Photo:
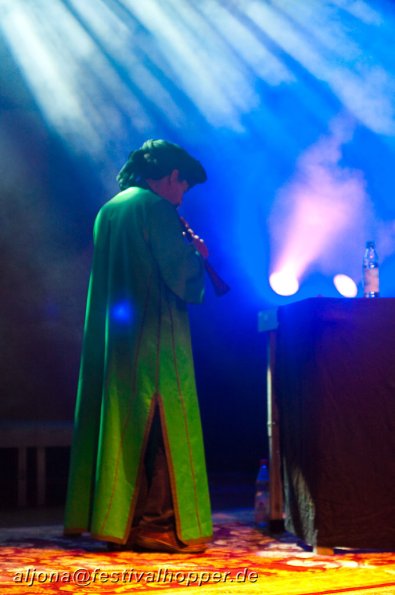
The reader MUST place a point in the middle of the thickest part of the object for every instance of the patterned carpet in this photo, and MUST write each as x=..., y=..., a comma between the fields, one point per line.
x=241, y=559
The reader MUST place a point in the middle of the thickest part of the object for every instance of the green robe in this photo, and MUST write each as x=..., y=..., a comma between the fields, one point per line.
x=136, y=353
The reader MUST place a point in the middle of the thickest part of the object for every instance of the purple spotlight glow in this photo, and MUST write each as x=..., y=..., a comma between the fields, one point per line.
x=345, y=285
x=323, y=208
x=284, y=283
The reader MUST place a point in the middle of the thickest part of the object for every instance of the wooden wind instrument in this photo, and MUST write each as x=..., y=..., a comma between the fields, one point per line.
x=220, y=287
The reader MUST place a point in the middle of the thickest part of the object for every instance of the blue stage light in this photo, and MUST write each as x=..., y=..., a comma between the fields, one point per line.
x=291, y=112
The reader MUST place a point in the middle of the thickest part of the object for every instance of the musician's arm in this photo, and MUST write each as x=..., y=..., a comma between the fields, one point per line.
x=180, y=264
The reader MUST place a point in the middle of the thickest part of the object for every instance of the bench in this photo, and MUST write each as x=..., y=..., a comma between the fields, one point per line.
x=38, y=435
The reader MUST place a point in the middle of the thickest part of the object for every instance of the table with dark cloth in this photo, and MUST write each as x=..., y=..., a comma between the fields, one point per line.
x=335, y=384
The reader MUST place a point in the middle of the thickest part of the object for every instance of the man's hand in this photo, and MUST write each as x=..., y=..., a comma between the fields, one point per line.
x=196, y=241
x=200, y=246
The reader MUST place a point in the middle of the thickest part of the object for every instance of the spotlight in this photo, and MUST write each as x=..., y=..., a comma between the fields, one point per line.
x=345, y=285
x=284, y=283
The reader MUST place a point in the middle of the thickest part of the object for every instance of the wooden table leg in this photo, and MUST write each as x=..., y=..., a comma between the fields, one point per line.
x=41, y=480
x=273, y=431
x=22, y=476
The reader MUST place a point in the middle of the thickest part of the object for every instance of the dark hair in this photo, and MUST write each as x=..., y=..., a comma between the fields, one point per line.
x=156, y=159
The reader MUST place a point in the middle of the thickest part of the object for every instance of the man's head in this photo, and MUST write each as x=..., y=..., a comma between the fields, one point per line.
x=164, y=167
x=171, y=187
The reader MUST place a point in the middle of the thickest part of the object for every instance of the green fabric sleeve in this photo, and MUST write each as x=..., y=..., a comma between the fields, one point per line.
x=180, y=265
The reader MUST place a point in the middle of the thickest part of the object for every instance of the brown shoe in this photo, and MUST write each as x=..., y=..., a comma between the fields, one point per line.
x=166, y=541
x=121, y=547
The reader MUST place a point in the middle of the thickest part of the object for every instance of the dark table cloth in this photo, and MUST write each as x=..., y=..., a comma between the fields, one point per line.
x=335, y=382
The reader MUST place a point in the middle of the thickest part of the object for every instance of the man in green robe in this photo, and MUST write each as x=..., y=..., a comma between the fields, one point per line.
x=137, y=471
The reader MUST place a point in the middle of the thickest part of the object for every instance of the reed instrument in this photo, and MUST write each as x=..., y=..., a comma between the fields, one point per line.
x=220, y=287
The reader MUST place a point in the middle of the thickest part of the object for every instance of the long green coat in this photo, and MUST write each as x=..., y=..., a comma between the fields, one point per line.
x=137, y=353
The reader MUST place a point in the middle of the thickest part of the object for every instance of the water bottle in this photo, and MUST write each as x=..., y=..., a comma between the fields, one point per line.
x=370, y=269
x=262, y=494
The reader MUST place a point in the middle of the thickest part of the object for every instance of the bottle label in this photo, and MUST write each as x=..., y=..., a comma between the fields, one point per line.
x=371, y=280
